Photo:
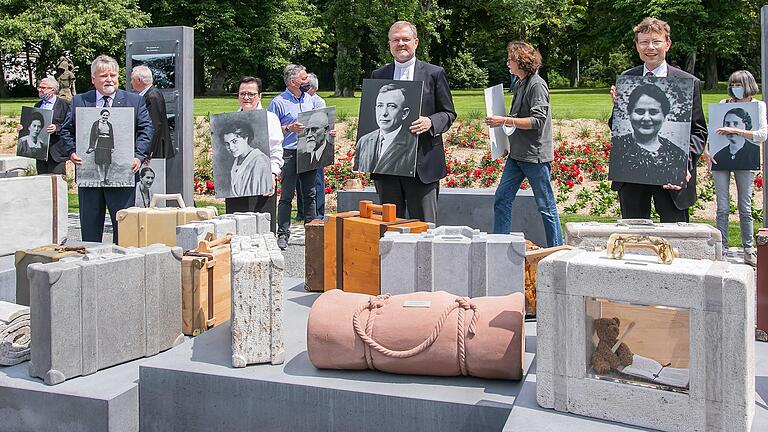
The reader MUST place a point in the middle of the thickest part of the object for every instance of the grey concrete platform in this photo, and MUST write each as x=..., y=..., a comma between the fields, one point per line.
x=468, y=207
x=194, y=388
x=106, y=401
x=294, y=253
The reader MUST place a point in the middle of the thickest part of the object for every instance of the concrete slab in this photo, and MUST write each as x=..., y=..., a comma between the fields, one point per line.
x=294, y=253
x=295, y=396
x=107, y=401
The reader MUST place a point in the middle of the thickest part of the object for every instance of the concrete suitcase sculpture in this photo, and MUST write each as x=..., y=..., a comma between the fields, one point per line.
x=351, y=246
x=423, y=333
x=144, y=226
x=33, y=212
x=14, y=333
x=206, y=285
x=257, y=301
x=457, y=259
x=249, y=223
x=666, y=343
x=692, y=240
x=221, y=226
x=761, y=333
x=85, y=320
x=189, y=236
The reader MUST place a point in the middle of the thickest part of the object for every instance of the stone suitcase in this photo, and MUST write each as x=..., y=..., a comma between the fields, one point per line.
x=108, y=308
x=351, y=246
x=249, y=223
x=761, y=333
x=692, y=240
x=694, y=316
x=144, y=226
x=189, y=236
x=14, y=333
x=457, y=259
x=206, y=286
x=257, y=301
x=33, y=212
x=422, y=333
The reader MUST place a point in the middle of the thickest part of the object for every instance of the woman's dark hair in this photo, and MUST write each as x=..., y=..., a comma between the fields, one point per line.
x=36, y=115
x=525, y=55
x=144, y=171
x=743, y=115
x=247, y=80
x=652, y=91
x=104, y=111
x=239, y=127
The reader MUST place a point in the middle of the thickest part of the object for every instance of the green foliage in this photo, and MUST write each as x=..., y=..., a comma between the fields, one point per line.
x=555, y=80
x=469, y=133
x=601, y=73
x=351, y=132
x=463, y=72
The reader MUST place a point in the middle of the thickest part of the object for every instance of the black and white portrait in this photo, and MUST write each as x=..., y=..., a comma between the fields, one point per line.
x=241, y=165
x=163, y=67
x=733, y=152
x=315, y=145
x=651, y=130
x=385, y=144
x=105, y=144
x=144, y=186
x=33, y=137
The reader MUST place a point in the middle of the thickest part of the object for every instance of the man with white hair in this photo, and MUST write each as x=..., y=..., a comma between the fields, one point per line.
x=320, y=179
x=141, y=83
x=47, y=89
x=94, y=201
x=287, y=106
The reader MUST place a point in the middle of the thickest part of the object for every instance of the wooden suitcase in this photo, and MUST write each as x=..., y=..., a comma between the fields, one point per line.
x=761, y=333
x=144, y=226
x=314, y=256
x=206, y=286
x=351, y=246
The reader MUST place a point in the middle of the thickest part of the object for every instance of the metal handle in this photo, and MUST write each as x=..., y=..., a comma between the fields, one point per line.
x=388, y=211
x=618, y=243
x=167, y=197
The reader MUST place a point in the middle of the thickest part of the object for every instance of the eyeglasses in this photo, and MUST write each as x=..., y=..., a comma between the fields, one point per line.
x=655, y=44
x=247, y=95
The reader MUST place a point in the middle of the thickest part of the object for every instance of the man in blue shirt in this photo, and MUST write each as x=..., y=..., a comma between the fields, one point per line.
x=287, y=106
x=320, y=180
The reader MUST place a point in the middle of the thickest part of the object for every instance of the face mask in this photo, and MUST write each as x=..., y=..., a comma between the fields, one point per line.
x=738, y=92
x=304, y=87
x=43, y=96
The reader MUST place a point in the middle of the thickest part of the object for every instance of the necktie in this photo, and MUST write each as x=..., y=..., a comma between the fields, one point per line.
x=649, y=74
x=106, y=101
x=377, y=152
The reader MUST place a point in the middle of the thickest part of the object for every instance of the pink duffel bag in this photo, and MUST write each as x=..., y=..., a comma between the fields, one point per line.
x=423, y=333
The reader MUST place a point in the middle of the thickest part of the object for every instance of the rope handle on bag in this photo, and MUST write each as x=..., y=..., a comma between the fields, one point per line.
x=376, y=302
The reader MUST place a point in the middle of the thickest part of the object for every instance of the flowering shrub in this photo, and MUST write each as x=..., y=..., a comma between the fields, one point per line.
x=759, y=181
x=573, y=160
x=203, y=186
x=470, y=173
x=341, y=171
x=469, y=133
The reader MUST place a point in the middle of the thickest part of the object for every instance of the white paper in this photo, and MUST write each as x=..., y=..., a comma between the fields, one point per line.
x=494, y=105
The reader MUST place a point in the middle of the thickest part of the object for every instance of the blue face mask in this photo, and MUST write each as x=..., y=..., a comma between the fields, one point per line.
x=738, y=92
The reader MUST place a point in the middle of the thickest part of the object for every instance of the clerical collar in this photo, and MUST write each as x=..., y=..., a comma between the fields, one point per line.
x=409, y=63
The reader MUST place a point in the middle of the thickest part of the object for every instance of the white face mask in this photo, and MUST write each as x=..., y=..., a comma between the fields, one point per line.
x=738, y=92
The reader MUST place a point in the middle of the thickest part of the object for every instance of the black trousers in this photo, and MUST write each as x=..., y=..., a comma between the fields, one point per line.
x=635, y=202
x=409, y=193
x=51, y=166
x=94, y=201
x=256, y=204
x=289, y=179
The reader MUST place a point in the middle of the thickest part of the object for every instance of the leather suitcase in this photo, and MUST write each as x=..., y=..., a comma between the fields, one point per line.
x=206, y=285
x=351, y=246
x=761, y=333
x=43, y=254
x=422, y=333
x=145, y=226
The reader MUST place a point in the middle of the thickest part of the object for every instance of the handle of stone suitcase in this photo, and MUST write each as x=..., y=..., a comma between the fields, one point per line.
x=167, y=197
x=368, y=208
x=618, y=243
x=206, y=246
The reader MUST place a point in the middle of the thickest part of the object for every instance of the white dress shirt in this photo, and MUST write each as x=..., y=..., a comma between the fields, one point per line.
x=404, y=71
x=386, y=140
x=659, y=72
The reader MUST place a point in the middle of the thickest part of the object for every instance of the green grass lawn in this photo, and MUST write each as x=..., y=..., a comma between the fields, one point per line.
x=566, y=103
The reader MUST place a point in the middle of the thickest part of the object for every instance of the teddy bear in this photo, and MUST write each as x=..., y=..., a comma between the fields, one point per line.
x=603, y=359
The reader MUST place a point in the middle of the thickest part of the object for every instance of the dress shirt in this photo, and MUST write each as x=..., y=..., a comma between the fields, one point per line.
x=48, y=103
x=404, y=71
x=100, y=99
x=143, y=92
x=659, y=72
x=386, y=140
x=287, y=108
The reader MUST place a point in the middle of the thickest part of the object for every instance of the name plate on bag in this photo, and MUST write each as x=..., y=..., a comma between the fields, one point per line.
x=417, y=303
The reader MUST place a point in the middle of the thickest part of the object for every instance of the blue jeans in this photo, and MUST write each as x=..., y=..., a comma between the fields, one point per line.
x=744, y=182
x=538, y=176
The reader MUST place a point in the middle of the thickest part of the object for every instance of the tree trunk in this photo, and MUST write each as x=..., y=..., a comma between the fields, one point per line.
x=199, y=80
x=29, y=65
x=3, y=85
x=690, y=64
x=710, y=70
x=573, y=72
x=348, y=57
x=218, y=80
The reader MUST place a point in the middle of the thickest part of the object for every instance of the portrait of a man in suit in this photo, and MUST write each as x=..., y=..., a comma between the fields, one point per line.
x=315, y=146
x=390, y=149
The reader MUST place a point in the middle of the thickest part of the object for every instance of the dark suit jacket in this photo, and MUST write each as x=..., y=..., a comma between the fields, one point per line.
x=55, y=145
x=437, y=104
x=685, y=197
x=398, y=159
x=142, y=124
x=162, y=146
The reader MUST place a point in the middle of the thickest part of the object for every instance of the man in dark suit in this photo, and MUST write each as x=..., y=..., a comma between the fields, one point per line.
x=141, y=82
x=671, y=201
x=318, y=151
x=418, y=194
x=47, y=89
x=391, y=149
x=95, y=200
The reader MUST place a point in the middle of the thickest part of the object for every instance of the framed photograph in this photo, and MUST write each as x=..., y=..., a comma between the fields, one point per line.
x=240, y=144
x=651, y=130
x=315, y=145
x=162, y=65
x=105, y=143
x=33, y=137
x=150, y=180
x=385, y=144
x=494, y=105
x=733, y=152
